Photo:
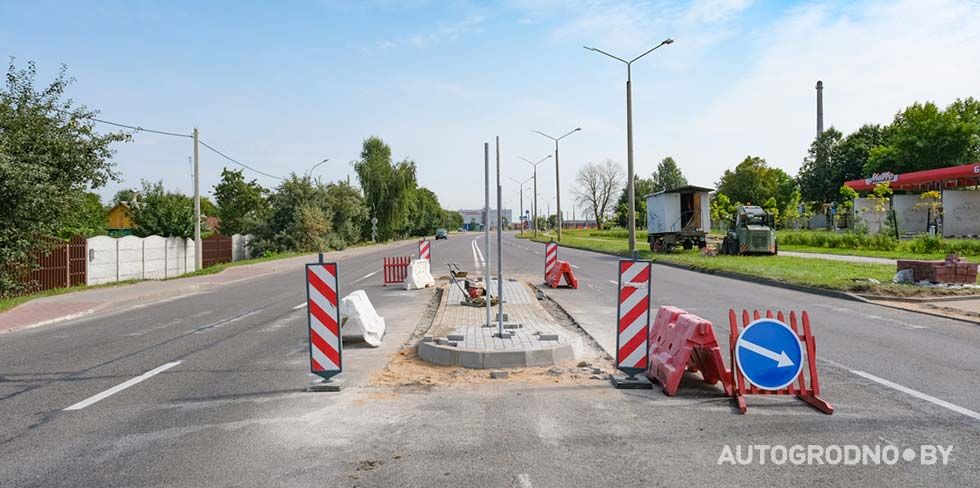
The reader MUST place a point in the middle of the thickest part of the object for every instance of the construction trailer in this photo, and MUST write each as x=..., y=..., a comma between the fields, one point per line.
x=678, y=216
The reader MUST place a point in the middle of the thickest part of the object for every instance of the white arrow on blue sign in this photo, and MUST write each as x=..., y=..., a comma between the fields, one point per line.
x=769, y=354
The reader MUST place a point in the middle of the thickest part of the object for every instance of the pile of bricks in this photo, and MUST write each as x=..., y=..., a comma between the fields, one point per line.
x=953, y=270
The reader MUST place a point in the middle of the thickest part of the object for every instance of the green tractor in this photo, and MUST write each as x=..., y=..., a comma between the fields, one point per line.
x=752, y=233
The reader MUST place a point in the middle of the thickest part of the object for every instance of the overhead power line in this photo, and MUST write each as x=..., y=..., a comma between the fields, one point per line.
x=229, y=158
x=175, y=134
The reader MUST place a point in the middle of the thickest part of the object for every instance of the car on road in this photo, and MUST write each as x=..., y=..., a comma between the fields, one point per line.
x=442, y=234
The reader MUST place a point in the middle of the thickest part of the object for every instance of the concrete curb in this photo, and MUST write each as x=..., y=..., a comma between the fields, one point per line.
x=446, y=355
x=779, y=284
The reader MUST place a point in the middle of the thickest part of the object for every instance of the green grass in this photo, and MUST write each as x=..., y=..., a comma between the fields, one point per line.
x=223, y=266
x=820, y=273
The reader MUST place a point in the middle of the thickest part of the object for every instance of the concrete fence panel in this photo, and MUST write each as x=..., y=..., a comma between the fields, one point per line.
x=911, y=219
x=154, y=258
x=961, y=213
x=864, y=208
x=174, y=249
x=130, y=258
x=101, y=260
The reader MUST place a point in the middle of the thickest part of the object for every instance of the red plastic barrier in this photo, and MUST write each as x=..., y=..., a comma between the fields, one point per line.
x=396, y=269
x=809, y=392
x=560, y=270
x=681, y=342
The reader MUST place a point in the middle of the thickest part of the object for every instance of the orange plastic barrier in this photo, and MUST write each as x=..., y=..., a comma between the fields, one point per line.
x=561, y=270
x=681, y=342
x=809, y=392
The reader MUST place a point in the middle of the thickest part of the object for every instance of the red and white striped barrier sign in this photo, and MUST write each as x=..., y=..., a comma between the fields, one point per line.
x=550, y=257
x=633, y=313
x=323, y=315
x=424, y=247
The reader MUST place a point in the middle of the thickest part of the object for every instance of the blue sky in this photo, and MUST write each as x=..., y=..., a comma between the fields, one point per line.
x=283, y=85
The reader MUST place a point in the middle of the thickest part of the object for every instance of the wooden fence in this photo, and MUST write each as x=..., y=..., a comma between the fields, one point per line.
x=215, y=250
x=60, y=264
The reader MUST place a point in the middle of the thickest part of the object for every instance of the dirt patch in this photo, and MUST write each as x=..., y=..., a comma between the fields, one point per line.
x=406, y=369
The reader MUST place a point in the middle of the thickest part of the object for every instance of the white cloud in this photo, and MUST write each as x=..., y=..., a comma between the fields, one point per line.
x=874, y=58
x=440, y=33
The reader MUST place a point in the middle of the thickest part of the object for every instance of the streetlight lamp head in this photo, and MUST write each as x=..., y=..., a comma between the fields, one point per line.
x=669, y=41
x=578, y=129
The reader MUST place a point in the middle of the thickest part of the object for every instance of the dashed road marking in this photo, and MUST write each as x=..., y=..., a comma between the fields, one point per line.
x=918, y=394
x=122, y=386
x=297, y=307
x=362, y=278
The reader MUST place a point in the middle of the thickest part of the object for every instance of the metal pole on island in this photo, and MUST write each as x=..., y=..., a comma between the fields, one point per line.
x=486, y=226
x=500, y=251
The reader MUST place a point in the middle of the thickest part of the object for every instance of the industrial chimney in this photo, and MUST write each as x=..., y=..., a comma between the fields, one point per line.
x=819, y=108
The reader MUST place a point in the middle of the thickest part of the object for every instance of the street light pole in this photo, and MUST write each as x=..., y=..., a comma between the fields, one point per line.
x=534, y=221
x=521, y=183
x=557, y=178
x=630, y=190
x=310, y=171
x=198, y=244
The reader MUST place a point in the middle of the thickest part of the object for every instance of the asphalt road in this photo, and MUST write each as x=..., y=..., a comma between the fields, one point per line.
x=226, y=406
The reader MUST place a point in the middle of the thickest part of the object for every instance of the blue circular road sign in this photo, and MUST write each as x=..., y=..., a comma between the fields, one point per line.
x=769, y=354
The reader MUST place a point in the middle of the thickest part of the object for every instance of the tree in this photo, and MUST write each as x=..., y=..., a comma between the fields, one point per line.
x=597, y=183
x=426, y=213
x=349, y=213
x=754, y=182
x=855, y=149
x=722, y=209
x=668, y=176
x=164, y=213
x=241, y=204
x=387, y=187
x=924, y=137
x=50, y=157
x=641, y=188
x=298, y=219
x=451, y=219
x=820, y=176
x=89, y=218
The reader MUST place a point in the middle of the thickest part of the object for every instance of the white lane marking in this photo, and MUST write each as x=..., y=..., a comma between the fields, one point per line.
x=524, y=480
x=224, y=322
x=478, y=260
x=614, y=282
x=122, y=386
x=362, y=278
x=572, y=265
x=918, y=394
x=297, y=307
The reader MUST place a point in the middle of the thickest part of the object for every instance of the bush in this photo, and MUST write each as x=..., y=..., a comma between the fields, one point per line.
x=846, y=240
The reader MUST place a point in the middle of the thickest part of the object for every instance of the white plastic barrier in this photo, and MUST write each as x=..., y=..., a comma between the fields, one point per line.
x=418, y=275
x=359, y=318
